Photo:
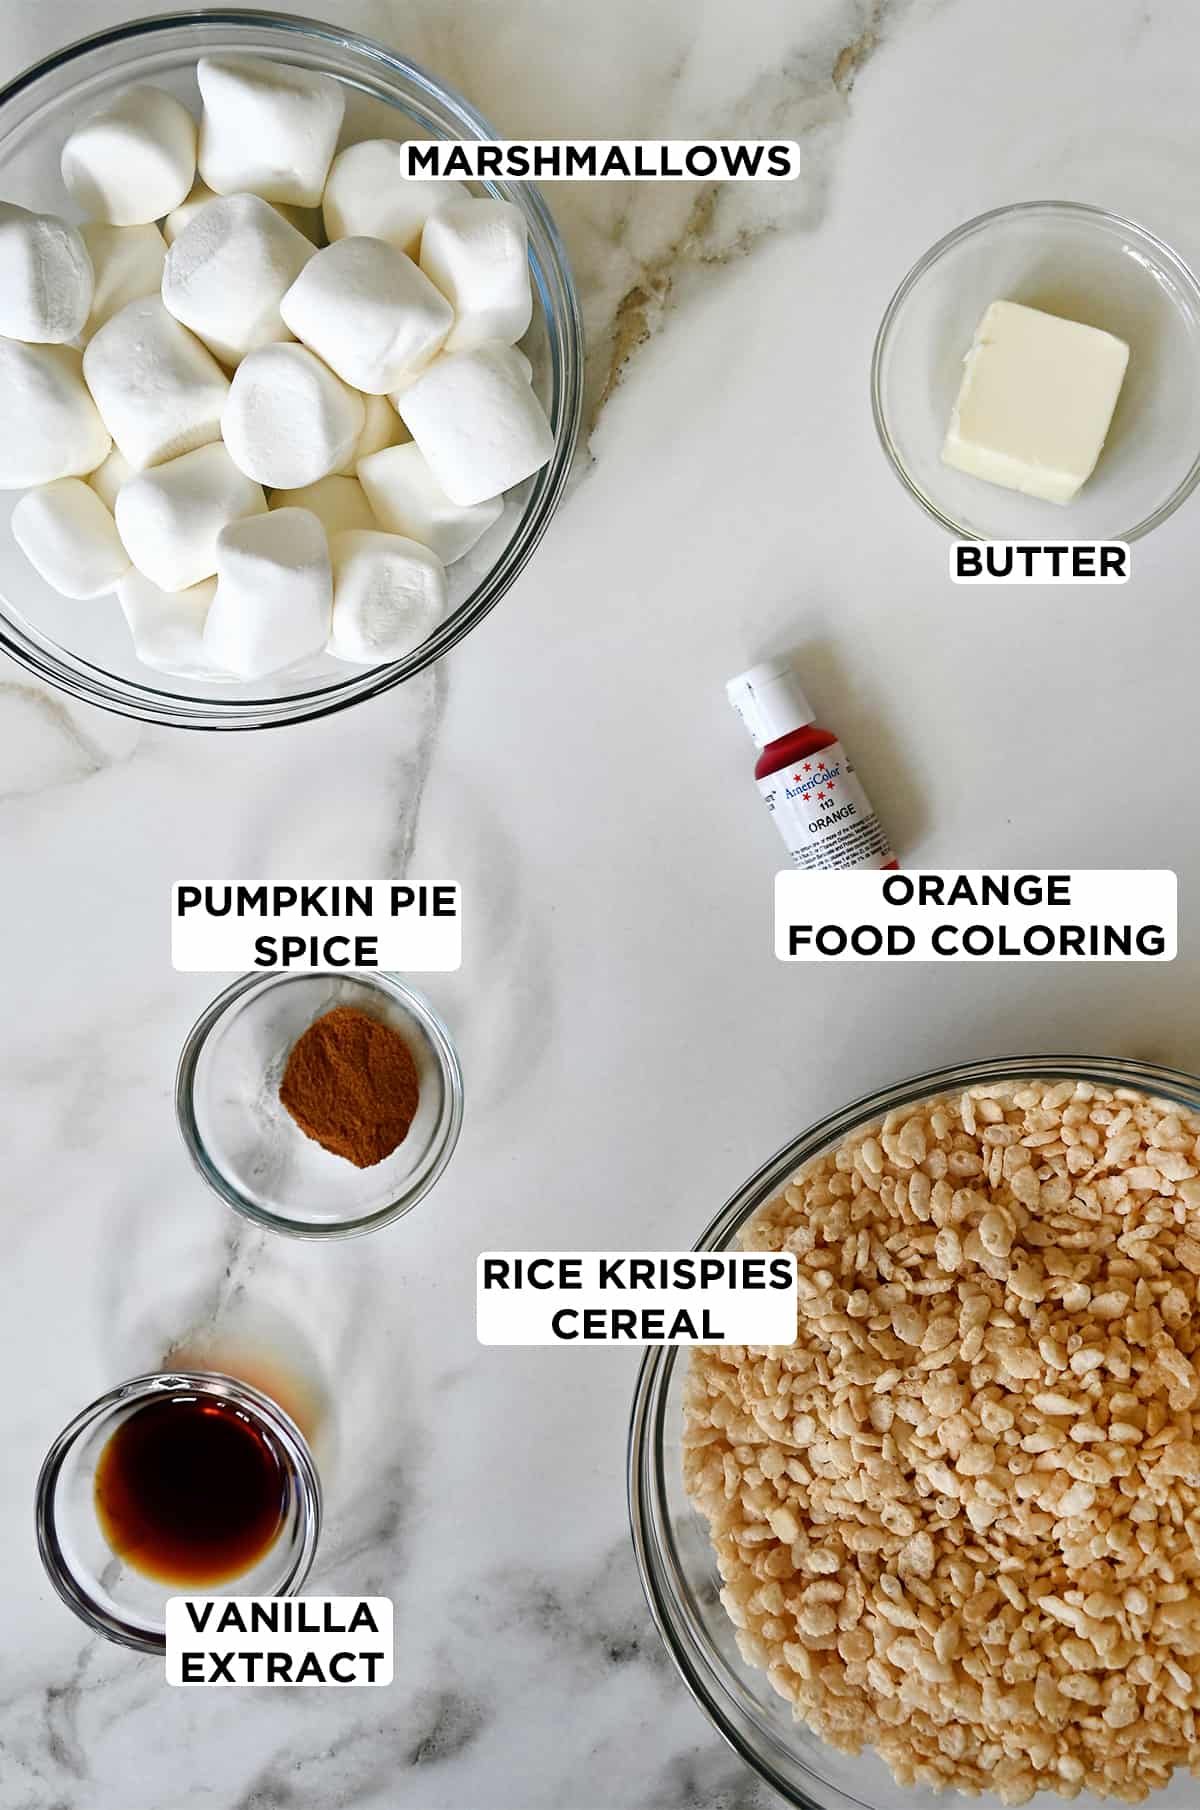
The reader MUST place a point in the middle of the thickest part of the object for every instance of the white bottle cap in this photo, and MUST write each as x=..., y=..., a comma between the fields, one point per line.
x=770, y=701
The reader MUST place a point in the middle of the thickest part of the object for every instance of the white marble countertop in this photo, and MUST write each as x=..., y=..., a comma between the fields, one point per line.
x=631, y=1048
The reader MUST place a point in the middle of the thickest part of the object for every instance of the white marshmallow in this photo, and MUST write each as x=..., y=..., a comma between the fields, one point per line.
x=382, y=427
x=306, y=220
x=388, y=594
x=109, y=476
x=520, y=361
x=128, y=262
x=198, y=196
x=339, y=503
x=512, y=356
x=227, y=272
x=170, y=517
x=476, y=251
x=369, y=196
x=366, y=309
x=167, y=627
x=49, y=425
x=406, y=499
x=45, y=277
x=289, y=420
x=267, y=127
x=274, y=594
x=478, y=423
x=67, y=535
x=159, y=391
x=134, y=160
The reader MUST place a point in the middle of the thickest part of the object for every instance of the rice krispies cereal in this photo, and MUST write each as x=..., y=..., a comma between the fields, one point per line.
x=959, y=1519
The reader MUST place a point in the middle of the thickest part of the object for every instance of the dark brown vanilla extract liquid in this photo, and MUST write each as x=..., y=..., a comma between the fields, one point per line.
x=189, y=1491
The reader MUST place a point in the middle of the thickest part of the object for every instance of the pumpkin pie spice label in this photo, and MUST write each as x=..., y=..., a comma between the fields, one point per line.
x=229, y=926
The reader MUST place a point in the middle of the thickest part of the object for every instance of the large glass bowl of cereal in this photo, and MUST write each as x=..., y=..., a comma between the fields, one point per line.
x=950, y=1538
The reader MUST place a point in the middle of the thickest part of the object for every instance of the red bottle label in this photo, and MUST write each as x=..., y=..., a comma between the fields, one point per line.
x=824, y=815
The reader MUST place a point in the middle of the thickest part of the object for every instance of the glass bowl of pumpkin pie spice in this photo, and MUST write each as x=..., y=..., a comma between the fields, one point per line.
x=320, y=1104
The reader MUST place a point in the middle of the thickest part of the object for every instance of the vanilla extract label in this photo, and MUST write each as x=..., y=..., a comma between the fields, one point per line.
x=1039, y=562
x=275, y=1640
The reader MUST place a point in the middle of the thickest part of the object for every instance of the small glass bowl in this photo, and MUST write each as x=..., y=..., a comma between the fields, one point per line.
x=84, y=648
x=249, y=1148
x=114, y=1598
x=1089, y=266
x=671, y=1538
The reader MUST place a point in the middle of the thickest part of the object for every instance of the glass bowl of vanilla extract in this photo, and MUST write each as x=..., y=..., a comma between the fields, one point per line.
x=181, y=1483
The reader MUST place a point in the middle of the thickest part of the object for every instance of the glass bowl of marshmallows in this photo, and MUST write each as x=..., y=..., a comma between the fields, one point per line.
x=1037, y=376
x=282, y=423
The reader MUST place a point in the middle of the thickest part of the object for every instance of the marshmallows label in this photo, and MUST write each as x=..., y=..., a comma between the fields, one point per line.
x=604, y=159
x=977, y=914
x=635, y=1298
x=280, y=1640
x=1039, y=562
x=221, y=927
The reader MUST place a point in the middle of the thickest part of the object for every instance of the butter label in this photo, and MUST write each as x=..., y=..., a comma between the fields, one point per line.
x=1039, y=562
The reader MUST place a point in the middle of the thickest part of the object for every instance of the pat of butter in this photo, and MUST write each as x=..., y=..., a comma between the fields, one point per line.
x=1037, y=396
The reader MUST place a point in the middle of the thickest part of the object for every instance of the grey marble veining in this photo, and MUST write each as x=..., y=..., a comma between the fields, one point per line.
x=631, y=1049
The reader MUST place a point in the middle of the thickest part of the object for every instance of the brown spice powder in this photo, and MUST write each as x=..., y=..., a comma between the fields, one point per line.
x=351, y=1084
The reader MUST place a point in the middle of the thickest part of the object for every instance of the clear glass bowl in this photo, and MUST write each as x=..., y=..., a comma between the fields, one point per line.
x=111, y=1596
x=1090, y=266
x=251, y=1151
x=84, y=648
x=675, y=1556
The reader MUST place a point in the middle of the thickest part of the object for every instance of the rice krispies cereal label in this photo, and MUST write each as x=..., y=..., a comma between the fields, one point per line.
x=824, y=815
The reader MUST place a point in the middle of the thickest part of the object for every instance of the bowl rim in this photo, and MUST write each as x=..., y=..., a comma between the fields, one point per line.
x=978, y=223
x=301, y=1463
x=441, y=1148
x=649, y=1514
x=89, y=683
